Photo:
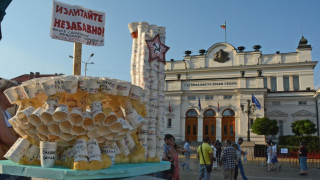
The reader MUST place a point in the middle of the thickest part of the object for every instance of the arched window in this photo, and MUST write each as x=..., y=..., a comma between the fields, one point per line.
x=228, y=112
x=209, y=113
x=192, y=113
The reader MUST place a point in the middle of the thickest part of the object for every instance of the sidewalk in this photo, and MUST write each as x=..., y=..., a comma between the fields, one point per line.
x=252, y=173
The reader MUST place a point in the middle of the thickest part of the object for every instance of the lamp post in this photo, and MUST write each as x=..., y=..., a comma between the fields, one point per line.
x=250, y=109
x=85, y=63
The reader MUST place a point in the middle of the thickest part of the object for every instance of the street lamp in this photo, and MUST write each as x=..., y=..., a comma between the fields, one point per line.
x=85, y=63
x=250, y=109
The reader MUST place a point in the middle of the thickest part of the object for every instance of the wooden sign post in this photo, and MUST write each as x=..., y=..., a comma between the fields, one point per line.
x=77, y=58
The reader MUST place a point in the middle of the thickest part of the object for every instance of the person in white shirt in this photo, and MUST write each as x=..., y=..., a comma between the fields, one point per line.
x=187, y=155
x=274, y=159
x=214, y=151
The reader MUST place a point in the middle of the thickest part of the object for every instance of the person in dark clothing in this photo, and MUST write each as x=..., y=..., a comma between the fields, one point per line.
x=303, y=153
x=218, y=146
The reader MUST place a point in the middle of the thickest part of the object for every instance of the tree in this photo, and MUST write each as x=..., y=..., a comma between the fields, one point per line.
x=265, y=126
x=302, y=127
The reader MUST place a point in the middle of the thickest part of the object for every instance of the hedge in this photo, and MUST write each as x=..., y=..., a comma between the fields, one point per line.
x=292, y=142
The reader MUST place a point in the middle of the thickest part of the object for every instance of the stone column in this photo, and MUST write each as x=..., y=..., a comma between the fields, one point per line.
x=291, y=83
x=183, y=128
x=218, y=128
x=200, y=129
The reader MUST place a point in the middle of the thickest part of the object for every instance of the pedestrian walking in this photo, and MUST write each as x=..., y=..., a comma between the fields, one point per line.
x=238, y=154
x=187, y=155
x=215, y=161
x=228, y=160
x=270, y=155
x=240, y=141
x=205, y=157
x=274, y=159
x=218, y=146
x=167, y=156
x=303, y=152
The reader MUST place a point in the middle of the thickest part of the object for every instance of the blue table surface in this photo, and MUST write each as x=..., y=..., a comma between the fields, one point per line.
x=60, y=172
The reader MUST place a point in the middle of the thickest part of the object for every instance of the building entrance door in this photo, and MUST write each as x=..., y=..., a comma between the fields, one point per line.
x=191, y=129
x=209, y=124
x=228, y=128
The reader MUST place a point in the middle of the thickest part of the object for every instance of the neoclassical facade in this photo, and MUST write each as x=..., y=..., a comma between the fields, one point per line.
x=205, y=92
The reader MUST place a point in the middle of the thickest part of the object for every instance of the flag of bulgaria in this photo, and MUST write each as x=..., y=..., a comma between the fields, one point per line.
x=223, y=26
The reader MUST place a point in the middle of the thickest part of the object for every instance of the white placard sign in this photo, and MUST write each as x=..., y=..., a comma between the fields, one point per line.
x=77, y=24
x=209, y=84
x=284, y=150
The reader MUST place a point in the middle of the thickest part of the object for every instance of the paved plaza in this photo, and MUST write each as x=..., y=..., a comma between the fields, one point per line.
x=252, y=172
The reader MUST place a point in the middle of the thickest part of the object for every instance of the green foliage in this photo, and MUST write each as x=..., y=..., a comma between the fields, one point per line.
x=302, y=127
x=265, y=126
x=292, y=142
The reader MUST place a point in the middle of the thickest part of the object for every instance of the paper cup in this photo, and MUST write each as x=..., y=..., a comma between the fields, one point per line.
x=42, y=129
x=92, y=133
x=70, y=84
x=106, y=149
x=42, y=137
x=21, y=92
x=32, y=153
x=111, y=118
x=101, y=139
x=53, y=138
x=98, y=117
x=61, y=113
x=129, y=141
x=115, y=127
x=13, y=121
x=17, y=150
x=123, y=147
x=11, y=95
x=87, y=122
x=78, y=130
x=30, y=89
x=34, y=118
x=103, y=130
x=137, y=121
x=80, y=148
x=66, y=136
x=93, y=147
x=54, y=129
x=75, y=117
x=111, y=136
x=20, y=131
x=123, y=88
x=47, y=153
x=108, y=86
x=24, y=114
x=93, y=85
x=82, y=83
x=48, y=86
x=46, y=116
x=59, y=84
x=65, y=126
x=125, y=125
x=135, y=92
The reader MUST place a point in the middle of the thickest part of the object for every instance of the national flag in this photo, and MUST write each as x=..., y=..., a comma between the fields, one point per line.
x=199, y=103
x=169, y=107
x=223, y=26
x=218, y=107
x=256, y=102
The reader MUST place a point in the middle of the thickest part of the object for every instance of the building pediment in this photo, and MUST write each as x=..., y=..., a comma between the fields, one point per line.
x=303, y=113
x=277, y=113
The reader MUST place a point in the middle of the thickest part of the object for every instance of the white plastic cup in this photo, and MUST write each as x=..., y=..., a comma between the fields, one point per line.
x=123, y=147
x=93, y=85
x=30, y=89
x=59, y=84
x=93, y=147
x=129, y=141
x=103, y=130
x=47, y=153
x=123, y=88
x=76, y=117
x=87, y=122
x=78, y=130
x=111, y=118
x=21, y=92
x=11, y=95
x=65, y=126
x=43, y=129
x=66, y=136
x=107, y=149
x=92, y=133
x=108, y=86
x=46, y=116
x=48, y=86
x=32, y=153
x=34, y=118
x=61, y=113
x=135, y=92
x=80, y=148
x=54, y=129
x=115, y=127
x=70, y=84
x=24, y=114
x=17, y=150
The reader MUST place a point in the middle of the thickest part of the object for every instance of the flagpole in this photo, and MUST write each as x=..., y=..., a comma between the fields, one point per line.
x=225, y=31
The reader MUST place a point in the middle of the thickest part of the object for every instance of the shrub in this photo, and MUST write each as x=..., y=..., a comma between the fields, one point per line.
x=312, y=142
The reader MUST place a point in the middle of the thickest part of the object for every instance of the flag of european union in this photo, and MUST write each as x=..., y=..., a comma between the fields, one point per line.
x=256, y=102
x=199, y=103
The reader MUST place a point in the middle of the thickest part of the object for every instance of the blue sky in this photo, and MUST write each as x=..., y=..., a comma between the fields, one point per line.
x=191, y=25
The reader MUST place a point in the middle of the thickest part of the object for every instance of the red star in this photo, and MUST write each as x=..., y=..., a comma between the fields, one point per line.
x=157, y=50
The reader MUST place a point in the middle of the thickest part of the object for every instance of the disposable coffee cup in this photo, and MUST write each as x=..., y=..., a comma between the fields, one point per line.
x=93, y=133
x=111, y=118
x=81, y=148
x=11, y=95
x=30, y=89
x=107, y=149
x=123, y=88
x=61, y=113
x=93, y=85
x=65, y=126
x=135, y=92
x=103, y=130
x=76, y=117
x=115, y=127
x=71, y=84
x=48, y=86
x=47, y=153
x=93, y=147
x=59, y=84
x=46, y=116
x=98, y=117
x=87, y=122
x=17, y=150
x=108, y=86
x=24, y=114
x=21, y=92
x=34, y=118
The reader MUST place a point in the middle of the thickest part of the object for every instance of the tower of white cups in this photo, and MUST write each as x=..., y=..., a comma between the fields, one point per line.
x=151, y=77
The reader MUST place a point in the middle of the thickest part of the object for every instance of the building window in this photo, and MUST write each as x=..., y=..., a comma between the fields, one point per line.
x=296, y=83
x=227, y=97
x=191, y=98
x=228, y=112
x=208, y=97
x=169, y=122
x=192, y=113
x=302, y=103
x=251, y=122
x=286, y=86
x=276, y=103
x=209, y=113
x=280, y=128
x=273, y=84
x=265, y=82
